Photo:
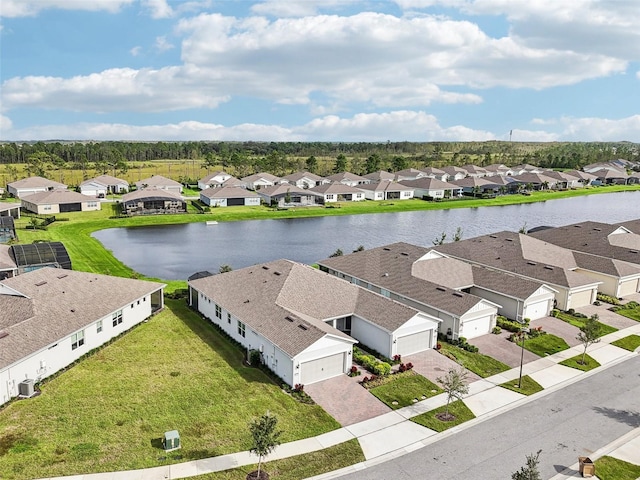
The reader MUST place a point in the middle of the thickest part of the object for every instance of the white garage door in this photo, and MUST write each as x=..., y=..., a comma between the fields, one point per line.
x=414, y=343
x=628, y=288
x=580, y=299
x=322, y=368
x=537, y=310
x=475, y=328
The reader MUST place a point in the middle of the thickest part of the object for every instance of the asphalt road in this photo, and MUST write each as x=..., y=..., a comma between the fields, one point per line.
x=573, y=421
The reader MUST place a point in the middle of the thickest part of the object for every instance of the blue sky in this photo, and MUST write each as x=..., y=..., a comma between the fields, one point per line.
x=320, y=70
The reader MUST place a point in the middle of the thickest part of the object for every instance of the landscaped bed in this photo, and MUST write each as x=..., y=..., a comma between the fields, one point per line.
x=576, y=362
x=630, y=342
x=110, y=411
x=458, y=409
x=609, y=468
x=402, y=389
x=528, y=386
x=478, y=363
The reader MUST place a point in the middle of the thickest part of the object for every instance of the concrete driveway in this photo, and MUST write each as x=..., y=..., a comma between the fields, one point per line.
x=346, y=400
x=558, y=328
x=431, y=365
x=498, y=347
x=608, y=317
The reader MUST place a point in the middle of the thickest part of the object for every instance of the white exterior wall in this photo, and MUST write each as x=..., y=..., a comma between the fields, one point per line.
x=423, y=192
x=610, y=285
x=371, y=195
x=510, y=307
x=371, y=335
x=405, y=195
x=252, y=201
x=93, y=189
x=23, y=192
x=582, y=298
x=59, y=354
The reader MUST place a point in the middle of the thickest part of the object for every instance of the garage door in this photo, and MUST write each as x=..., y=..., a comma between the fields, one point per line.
x=414, y=343
x=477, y=327
x=580, y=299
x=628, y=288
x=536, y=310
x=322, y=368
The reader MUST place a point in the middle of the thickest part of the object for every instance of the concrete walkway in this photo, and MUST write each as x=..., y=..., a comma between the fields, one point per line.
x=393, y=434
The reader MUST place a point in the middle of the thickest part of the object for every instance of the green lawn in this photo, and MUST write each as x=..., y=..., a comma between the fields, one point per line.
x=546, y=344
x=574, y=362
x=579, y=322
x=110, y=410
x=631, y=311
x=457, y=408
x=403, y=388
x=478, y=363
x=630, y=342
x=302, y=466
x=609, y=468
x=528, y=386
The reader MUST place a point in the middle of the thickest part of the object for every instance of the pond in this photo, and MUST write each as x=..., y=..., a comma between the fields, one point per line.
x=174, y=252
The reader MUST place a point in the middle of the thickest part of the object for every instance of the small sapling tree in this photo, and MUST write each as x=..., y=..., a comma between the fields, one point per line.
x=589, y=334
x=455, y=385
x=530, y=470
x=265, y=437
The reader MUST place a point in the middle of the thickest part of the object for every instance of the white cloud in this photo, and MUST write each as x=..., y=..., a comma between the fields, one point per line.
x=135, y=51
x=5, y=125
x=158, y=8
x=601, y=129
x=289, y=8
x=29, y=8
x=162, y=44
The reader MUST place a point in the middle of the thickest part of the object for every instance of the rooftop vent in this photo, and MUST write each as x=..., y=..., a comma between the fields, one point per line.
x=302, y=327
x=277, y=273
x=578, y=226
x=531, y=263
x=246, y=301
x=548, y=267
x=62, y=276
x=404, y=253
x=598, y=229
x=458, y=294
x=509, y=239
x=4, y=334
x=264, y=267
x=385, y=274
x=39, y=284
x=633, y=251
x=288, y=318
x=386, y=249
x=442, y=289
x=492, y=236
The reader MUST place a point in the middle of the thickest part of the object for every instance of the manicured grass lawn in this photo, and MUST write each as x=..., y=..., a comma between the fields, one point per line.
x=302, y=466
x=628, y=343
x=457, y=408
x=403, y=388
x=579, y=322
x=574, y=362
x=528, y=386
x=546, y=344
x=609, y=468
x=631, y=311
x=478, y=363
x=109, y=411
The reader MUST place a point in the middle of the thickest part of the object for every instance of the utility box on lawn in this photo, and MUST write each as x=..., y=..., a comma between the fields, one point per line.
x=587, y=467
x=171, y=441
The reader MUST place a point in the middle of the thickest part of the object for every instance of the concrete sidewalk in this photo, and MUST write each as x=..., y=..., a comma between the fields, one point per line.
x=394, y=434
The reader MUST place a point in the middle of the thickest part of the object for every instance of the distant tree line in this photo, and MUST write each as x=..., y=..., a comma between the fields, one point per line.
x=281, y=158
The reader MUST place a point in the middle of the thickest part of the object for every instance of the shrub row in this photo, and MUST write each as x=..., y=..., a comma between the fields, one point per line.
x=371, y=363
x=462, y=343
x=608, y=299
x=510, y=325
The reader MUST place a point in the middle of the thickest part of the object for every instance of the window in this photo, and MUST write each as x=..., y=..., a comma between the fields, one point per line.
x=117, y=318
x=77, y=340
x=330, y=196
x=99, y=326
x=228, y=317
x=241, y=329
x=218, y=311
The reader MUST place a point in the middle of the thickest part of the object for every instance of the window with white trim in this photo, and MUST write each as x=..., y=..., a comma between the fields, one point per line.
x=117, y=318
x=228, y=317
x=77, y=339
x=241, y=329
x=218, y=311
x=99, y=326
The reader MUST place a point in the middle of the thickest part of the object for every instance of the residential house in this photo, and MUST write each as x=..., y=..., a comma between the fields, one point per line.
x=475, y=171
x=104, y=185
x=526, y=168
x=153, y=201
x=10, y=209
x=31, y=185
x=160, y=183
x=498, y=169
x=614, y=166
x=304, y=180
x=536, y=181
x=478, y=185
x=59, y=201
x=607, y=176
x=380, y=176
x=215, y=179
x=33, y=256
x=388, y=270
x=347, y=178
x=338, y=192
x=409, y=174
x=8, y=266
x=586, y=178
x=229, y=197
x=7, y=229
x=386, y=190
x=454, y=173
x=260, y=180
x=305, y=322
x=285, y=195
x=564, y=180
x=432, y=188
x=49, y=318
x=436, y=173
x=532, y=259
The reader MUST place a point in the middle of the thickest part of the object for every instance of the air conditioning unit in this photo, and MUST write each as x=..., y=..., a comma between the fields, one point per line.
x=25, y=388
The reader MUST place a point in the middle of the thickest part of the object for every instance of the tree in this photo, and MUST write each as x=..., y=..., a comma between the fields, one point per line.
x=455, y=385
x=440, y=240
x=265, y=436
x=337, y=253
x=311, y=164
x=530, y=470
x=341, y=164
x=589, y=334
x=398, y=163
x=373, y=163
x=225, y=268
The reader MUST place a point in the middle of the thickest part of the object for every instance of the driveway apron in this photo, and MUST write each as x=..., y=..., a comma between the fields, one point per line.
x=558, y=328
x=431, y=365
x=498, y=347
x=608, y=317
x=346, y=400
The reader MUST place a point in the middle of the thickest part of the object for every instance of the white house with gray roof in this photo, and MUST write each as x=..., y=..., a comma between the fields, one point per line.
x=59, y=201
x=305, y=322
x=49, y=318
x=31, y=185
x=229, y=196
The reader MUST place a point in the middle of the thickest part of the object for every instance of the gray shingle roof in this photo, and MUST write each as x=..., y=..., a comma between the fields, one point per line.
x=36, y=182
x=335, y=188
x=106, y=180
x=56, y=303
x=57, y=197
x=429, y=183
x=150, y=193
x=158, y=181
x=229, y=192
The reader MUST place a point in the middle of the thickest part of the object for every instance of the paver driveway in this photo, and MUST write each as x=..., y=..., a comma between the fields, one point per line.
x=431, y=365
x=558, y=328
x=608, y=317
x=346, y=400
x=498, y=347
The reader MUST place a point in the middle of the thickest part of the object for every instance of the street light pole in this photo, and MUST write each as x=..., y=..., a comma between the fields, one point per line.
x=522, y=337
